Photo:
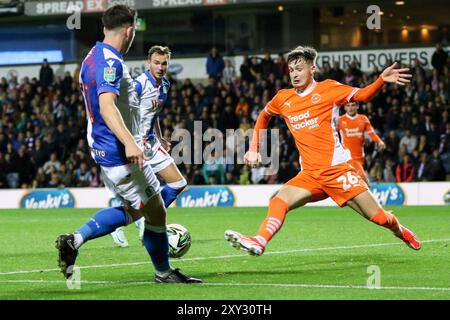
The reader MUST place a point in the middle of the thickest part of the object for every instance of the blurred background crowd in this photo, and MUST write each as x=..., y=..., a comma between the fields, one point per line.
x=43, y=123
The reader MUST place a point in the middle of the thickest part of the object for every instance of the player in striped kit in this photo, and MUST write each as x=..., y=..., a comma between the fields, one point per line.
x=152, y=88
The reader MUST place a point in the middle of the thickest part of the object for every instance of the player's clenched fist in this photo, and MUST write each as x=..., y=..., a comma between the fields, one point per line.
x=252, y=159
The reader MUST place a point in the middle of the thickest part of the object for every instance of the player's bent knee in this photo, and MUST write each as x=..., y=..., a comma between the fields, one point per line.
x=132, y=214
x=154, y=211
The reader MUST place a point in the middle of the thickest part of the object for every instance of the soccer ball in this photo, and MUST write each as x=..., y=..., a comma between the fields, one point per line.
x=179, y=240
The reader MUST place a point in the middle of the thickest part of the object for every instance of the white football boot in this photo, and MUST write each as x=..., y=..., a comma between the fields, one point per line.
x=119, y=238
x=242, y=242
x=140, y=224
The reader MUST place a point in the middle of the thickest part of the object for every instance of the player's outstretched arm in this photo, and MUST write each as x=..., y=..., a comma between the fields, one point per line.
x=389, y=75
x=253, y=158
x=114, y=121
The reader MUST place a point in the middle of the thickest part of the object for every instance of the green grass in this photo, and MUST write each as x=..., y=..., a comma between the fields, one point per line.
x=320, y=253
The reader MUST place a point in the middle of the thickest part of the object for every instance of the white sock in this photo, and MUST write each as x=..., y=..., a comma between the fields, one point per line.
x=78, y=240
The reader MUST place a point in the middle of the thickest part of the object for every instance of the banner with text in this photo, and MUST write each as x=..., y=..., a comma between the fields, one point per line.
x=427, y=193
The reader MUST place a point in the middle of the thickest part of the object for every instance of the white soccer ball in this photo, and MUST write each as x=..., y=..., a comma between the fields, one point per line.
x=179, y=240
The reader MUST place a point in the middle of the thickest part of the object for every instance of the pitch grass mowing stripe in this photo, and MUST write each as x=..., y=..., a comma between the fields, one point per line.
x=227, y=256
x=231, y=284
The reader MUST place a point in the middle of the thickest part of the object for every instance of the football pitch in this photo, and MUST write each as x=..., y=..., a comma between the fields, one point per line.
x=320, y=253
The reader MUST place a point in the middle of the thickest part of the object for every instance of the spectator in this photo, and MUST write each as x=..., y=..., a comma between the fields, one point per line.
x=268, y=66
x=436, y=168
x=94, y=179
x=213, y=166
x=439, y=58
x=65, y=175
x=12, y=174
x=409, y=141
x=52, y=163
x=55, y=181
x=230, y=178
x=245, y=68
x=198, y=178
x=215, y=64
x=244, y=177
x=404, y=171
x=228, y=119
x=336, y=72
x=257, y=175
x=242, y=107
x=46, y=74
x=229, y=73
x=39, y=154
x=283, y=69
x=82, y=176
x=388, y=172
x=423, y=168
x=376, y=172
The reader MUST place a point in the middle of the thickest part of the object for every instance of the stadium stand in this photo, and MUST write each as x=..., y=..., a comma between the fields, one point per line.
x=43, y=129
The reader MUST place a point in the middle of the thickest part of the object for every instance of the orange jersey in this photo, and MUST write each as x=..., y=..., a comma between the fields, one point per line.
x=311, y=117
x=353, y=130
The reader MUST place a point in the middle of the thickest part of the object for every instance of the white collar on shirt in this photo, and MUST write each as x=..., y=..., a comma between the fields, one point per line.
x=308, y=90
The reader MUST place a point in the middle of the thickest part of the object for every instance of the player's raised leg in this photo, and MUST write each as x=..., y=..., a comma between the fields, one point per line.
x=288, y=198
x=377, y=214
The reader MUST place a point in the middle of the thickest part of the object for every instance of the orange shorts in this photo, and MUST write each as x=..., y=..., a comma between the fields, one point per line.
x=340, y=182
x=358, y=164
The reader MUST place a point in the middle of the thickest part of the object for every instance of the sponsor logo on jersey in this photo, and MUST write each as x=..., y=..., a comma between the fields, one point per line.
x=47, y=199
x=303, y=121
x=353, y=132
x=315, y=98
x=215, y=196
x=98, y=152
x=388, y=194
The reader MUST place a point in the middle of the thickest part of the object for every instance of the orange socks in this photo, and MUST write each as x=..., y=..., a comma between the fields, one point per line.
x=387, y=220
x=274, y=220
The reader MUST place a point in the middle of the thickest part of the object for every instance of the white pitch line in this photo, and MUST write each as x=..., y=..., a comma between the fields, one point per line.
x=225, y=257
x=231, y=284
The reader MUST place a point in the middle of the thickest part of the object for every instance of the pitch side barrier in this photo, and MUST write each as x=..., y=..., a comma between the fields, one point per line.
x=425, y=193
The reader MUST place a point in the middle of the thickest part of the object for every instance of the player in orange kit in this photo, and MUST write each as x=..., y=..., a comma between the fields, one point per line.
x=310, y=110
x=353, y=127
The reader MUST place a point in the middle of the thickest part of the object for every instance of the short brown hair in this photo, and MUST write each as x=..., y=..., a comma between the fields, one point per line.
x=307, y=54
x=159, y=50
x=118, y=16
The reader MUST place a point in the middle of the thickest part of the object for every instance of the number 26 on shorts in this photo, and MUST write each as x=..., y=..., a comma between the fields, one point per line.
x=348, y=180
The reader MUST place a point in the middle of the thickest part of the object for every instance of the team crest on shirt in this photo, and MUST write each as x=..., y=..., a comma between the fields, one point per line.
x=109, y=74
x=315, y=98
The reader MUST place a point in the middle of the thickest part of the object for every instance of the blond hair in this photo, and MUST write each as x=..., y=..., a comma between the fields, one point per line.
x=165, y=51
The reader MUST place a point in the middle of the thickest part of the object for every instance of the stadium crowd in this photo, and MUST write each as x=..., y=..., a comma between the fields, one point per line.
x=43, y=123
